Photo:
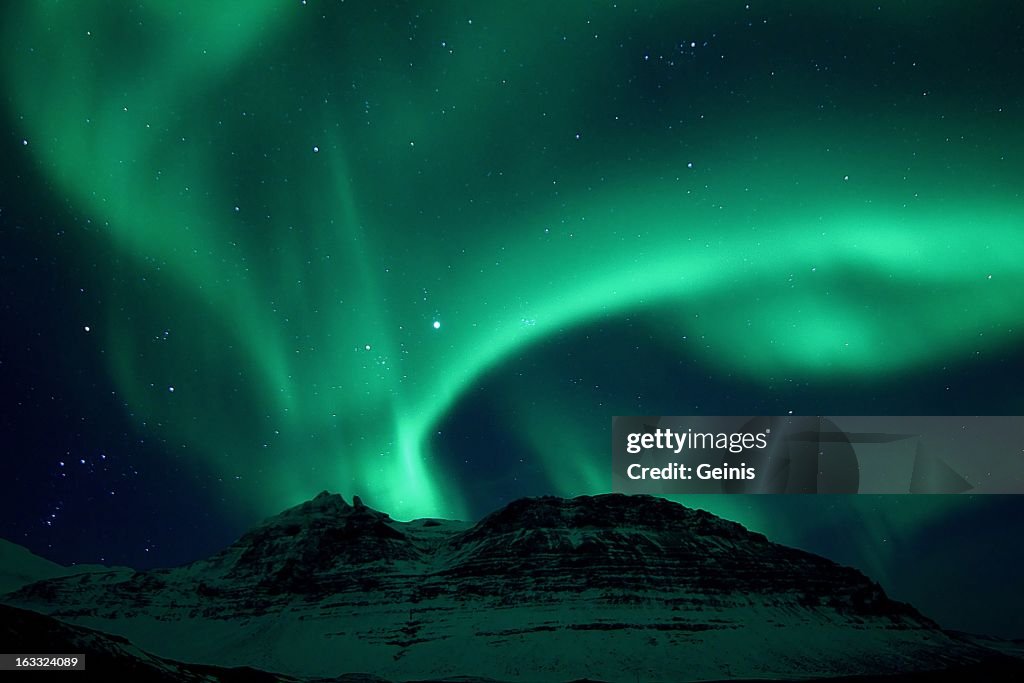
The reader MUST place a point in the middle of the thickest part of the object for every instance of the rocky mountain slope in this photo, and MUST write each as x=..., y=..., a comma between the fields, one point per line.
x=612, y=587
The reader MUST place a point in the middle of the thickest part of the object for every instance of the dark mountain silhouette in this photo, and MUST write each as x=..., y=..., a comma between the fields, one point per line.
x=612, y=588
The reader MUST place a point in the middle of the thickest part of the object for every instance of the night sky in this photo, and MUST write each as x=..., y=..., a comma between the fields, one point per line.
x=423, y=252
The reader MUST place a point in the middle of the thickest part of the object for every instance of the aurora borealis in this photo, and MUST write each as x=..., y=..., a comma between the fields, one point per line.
x=421, y=253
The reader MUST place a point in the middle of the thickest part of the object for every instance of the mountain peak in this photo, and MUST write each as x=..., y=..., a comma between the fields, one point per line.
x=301, y=548
x=541, y=587
x=616, y=511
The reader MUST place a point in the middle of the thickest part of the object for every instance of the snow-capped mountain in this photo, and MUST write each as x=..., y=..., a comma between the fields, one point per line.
x=19, y=567
x=609, y=587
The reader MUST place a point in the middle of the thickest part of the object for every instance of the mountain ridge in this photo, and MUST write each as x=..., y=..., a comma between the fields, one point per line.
x=543, y=589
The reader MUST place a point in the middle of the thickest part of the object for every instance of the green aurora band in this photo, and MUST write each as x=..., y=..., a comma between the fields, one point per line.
x=295, y=199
